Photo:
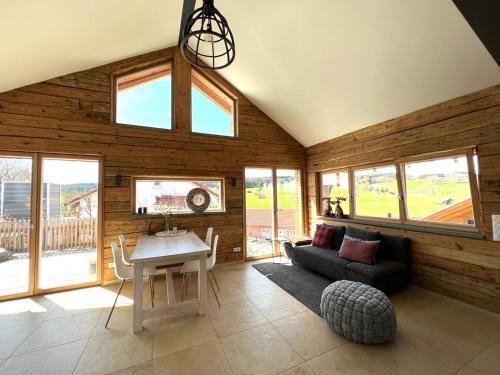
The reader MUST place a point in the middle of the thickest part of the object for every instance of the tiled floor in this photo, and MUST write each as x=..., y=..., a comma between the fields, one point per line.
x=259, y=329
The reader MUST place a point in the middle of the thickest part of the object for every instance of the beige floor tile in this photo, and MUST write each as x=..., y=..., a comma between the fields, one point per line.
x=467, y=370
x=258, y=286
x=302, y=369
x=407, y=355
x=145, y=368
x=24, y=312
x=12, y=338
x=413, y=298
x=278, y=305
x=181, y=331
x=461, y=332
x=349, y=359
x=121, y=319
x=205, y=359
x=259, y=350
x=59, y=331
x=58, y=360
x=115, y=351
x=488, y=362
x=308, y=334
x=235, y=317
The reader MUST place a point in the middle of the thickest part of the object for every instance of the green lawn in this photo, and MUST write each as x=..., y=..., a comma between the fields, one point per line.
x=262, y=197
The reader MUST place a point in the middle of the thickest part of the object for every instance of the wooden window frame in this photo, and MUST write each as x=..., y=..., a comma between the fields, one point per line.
x=213, y=85
x=179, y=178
x=115, y=79
x=399, y=164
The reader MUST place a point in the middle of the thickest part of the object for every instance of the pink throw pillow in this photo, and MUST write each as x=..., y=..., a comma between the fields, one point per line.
x=358, y=250
x=323, y=236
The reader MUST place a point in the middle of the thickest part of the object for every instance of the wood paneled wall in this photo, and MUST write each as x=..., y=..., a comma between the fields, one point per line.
x=466, y=269
x=73, y=114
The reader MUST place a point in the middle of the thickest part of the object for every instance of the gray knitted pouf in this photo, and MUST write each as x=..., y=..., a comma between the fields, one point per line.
x=358, y=312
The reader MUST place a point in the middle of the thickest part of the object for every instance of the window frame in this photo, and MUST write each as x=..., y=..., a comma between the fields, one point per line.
x=226, y=91
x=399, y=164
x=135, y=179
x=114, y=82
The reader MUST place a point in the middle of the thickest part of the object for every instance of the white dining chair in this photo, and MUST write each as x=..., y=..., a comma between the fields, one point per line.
x=208, y=237
x=124, y=272
x=151, y=272
x=194, y=266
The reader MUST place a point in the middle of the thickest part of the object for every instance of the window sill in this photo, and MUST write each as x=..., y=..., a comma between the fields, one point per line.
x=413, y=228
x=186, y=214
x=165, y=130
x=214, y=135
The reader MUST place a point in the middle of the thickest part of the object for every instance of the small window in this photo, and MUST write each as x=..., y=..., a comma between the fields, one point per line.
x=439, y=191
x=376, y=192
x=169, y=195
x=335, y=185
x=212, y=110
x=144, y=98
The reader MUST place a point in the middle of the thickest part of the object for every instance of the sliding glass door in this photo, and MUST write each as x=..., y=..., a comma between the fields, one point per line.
x=16, y=225
x=273, y=209
x=68, y=222
x=49, y=223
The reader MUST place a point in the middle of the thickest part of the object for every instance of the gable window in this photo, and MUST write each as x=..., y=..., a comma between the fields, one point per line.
x=163, y=195
x=144, y=98
x=376, y=192
x=335, y=185
x=212, y=109
x=439, y=191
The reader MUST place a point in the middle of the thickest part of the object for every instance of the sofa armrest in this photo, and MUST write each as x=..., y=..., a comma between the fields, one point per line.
x=290, y=250
x=300, y=240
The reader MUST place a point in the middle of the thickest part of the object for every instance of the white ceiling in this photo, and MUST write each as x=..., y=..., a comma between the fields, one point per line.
x=319, y=68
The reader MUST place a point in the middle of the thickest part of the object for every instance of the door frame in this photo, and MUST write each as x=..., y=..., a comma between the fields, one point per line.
x=35, y=232
x=275, y=244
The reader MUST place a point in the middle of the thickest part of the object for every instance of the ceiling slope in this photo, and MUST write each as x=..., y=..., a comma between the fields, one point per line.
x=319, y=69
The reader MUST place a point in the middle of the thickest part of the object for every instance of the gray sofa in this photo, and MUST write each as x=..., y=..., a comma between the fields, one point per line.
x=390, y=272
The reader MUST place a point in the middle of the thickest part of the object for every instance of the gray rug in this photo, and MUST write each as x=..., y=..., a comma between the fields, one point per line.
x=303, y=284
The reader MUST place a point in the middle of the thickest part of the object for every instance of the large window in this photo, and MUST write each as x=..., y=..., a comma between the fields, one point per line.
x=169, y=194
x=439, y=191
x=430, y=190
x=212, y=109
x=335, y=185
x=144, y=98
x=376, y=192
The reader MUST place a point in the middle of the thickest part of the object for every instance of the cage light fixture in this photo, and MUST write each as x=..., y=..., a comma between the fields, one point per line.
x=207, y=39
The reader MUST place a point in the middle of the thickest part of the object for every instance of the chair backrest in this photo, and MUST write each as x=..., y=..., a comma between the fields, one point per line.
x=208, y=237
x=120, y=266
x=123, y=245
x=212, y=259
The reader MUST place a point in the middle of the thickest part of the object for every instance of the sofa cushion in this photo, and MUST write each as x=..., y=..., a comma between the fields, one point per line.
x=338, y=236
x=362, y=234
x=323, y=236
x=358, y=250
x=378, y=270
x=395, y=248
x=326, y=262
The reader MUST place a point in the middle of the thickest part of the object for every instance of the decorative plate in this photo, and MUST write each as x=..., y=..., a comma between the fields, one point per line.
x=198, y=199
x=171, y=233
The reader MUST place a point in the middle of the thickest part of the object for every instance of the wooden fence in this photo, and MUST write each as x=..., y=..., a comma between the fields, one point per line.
x=57, y=234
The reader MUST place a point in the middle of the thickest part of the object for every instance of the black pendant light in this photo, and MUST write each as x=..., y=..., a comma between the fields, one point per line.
x=207, y=41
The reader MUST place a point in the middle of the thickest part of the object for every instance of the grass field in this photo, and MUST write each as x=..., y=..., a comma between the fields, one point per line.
x=380, y=197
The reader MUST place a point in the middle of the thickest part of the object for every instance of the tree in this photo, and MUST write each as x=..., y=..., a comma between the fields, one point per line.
x=15, y=170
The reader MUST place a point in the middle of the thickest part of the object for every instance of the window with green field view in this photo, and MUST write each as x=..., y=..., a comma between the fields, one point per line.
x=376, y=192
x=335, y=185
x=144, y=98
x=212, y=110
x=439, y=191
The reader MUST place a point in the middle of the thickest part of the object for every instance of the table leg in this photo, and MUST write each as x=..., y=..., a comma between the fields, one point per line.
x=202, y=284
x=170, y=287
x=138, y=298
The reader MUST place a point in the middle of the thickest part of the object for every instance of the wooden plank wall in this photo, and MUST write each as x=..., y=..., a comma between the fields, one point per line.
x=73, y=114
x=466, y=269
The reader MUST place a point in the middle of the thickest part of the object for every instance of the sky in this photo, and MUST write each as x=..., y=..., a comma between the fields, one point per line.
x=150, y=105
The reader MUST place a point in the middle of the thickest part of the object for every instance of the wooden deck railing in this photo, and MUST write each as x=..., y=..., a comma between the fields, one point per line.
x=57, y=234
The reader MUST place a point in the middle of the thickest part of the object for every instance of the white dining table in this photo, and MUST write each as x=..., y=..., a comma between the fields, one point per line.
x=152, y=251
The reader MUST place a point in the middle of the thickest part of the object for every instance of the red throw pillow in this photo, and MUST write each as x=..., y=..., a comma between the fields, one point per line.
x=358, y=250
x=323, y=236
